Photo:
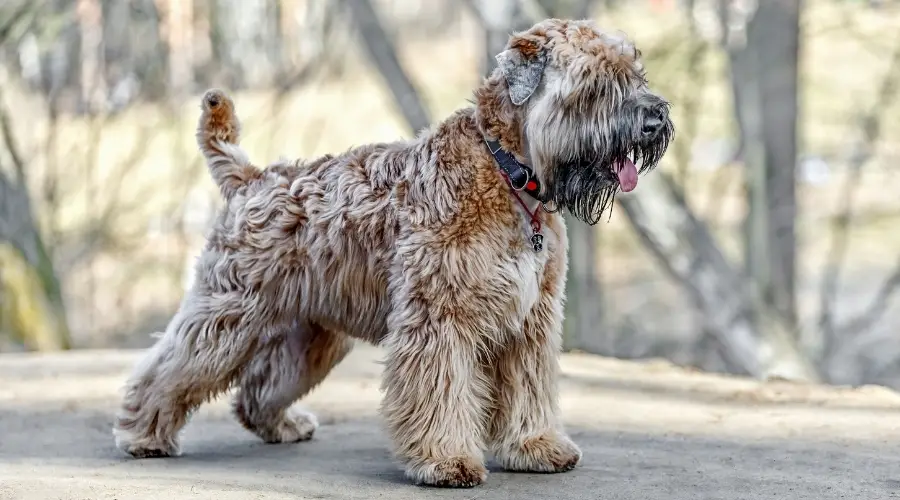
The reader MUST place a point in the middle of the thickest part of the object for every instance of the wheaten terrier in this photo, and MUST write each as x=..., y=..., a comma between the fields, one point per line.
x=448, y=250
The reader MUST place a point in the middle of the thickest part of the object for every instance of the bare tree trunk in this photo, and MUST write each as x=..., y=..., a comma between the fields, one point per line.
x=734, y=42
x=177, y=27
x=763, y=59
x=778, y=38
x=584, y=320
x=148, y=51
x=28, y=313
x=688, y=252
x=383, y=54
x=93, y=80
x=762, y=43
x=32, y=308
x=290, y=29
x=835, y=338
x=567, y=9
x=31, y=304
x=247, y=39
x=499, y=19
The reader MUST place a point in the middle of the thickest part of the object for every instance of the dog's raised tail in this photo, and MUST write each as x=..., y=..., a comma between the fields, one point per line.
x=218, y=135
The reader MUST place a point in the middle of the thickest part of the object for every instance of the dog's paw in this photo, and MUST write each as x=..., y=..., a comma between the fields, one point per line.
x=144, y=447
x=454, y=472
x=150, y=452
x=297, y=425
x=549, y=452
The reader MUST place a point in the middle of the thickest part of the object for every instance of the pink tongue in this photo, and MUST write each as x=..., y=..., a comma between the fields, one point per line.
x=627, y=173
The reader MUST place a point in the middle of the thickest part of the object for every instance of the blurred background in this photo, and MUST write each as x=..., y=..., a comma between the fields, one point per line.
x=766, y=244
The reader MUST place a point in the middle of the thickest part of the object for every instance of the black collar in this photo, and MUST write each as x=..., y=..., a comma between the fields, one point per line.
x=519, y=176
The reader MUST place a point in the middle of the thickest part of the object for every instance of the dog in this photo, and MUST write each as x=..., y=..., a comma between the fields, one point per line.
x=447, y=250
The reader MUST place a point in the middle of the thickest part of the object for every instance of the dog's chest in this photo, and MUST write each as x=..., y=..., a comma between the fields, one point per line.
x=531, y=269
x=532, y=263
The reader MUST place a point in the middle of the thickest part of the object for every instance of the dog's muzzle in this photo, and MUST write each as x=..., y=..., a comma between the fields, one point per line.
x=654, y=122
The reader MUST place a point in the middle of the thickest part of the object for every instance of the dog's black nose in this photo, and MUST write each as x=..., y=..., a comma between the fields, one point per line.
x=653, y=123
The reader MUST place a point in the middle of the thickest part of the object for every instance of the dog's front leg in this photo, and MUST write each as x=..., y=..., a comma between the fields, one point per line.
x=526, y=431
x=435, y=396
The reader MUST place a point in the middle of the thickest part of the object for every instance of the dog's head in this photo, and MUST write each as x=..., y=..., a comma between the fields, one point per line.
x=581, y=99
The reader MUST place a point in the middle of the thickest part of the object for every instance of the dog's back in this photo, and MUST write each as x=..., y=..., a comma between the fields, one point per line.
x=319, y=232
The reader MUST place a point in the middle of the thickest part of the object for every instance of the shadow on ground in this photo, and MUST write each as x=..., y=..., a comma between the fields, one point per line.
x=351, y=460
x=648, y=432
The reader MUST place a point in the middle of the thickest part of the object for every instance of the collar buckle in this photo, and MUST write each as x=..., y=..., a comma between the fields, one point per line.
x=519, y=177
x=524, y=182
x=512, y=171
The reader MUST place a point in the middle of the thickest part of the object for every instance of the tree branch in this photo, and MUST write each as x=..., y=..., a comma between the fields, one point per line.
x=877, y=307
x=871, y=128
x=23, y=10
x=496, y=15
x=10, y=141
x=683, y=245
x=384, y=55
x=692, y=90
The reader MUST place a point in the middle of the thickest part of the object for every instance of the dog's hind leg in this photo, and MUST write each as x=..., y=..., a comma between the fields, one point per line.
x=201, y=353
x=284, y=369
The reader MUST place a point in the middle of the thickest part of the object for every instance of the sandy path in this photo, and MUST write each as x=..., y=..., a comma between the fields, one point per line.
x=649, y=431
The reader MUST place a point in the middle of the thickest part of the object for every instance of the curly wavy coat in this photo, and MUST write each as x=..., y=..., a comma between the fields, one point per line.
x=419, y=247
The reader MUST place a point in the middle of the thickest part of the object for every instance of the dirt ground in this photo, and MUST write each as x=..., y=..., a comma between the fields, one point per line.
x=649, y=431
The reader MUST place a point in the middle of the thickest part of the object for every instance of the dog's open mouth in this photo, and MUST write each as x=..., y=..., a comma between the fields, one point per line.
x=587, y=187
x=627, y=173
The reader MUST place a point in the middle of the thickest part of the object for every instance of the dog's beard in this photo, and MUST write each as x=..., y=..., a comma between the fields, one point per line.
x=586, y=185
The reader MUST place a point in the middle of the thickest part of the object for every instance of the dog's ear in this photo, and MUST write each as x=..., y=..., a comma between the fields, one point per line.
x=522, y=65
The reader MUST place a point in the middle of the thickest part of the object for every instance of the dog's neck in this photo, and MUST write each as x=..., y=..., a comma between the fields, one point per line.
x=501, y=124
x=498, y=119
x=519, y=176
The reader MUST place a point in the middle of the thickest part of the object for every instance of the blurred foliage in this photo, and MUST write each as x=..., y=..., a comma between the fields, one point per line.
x=119, y=199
